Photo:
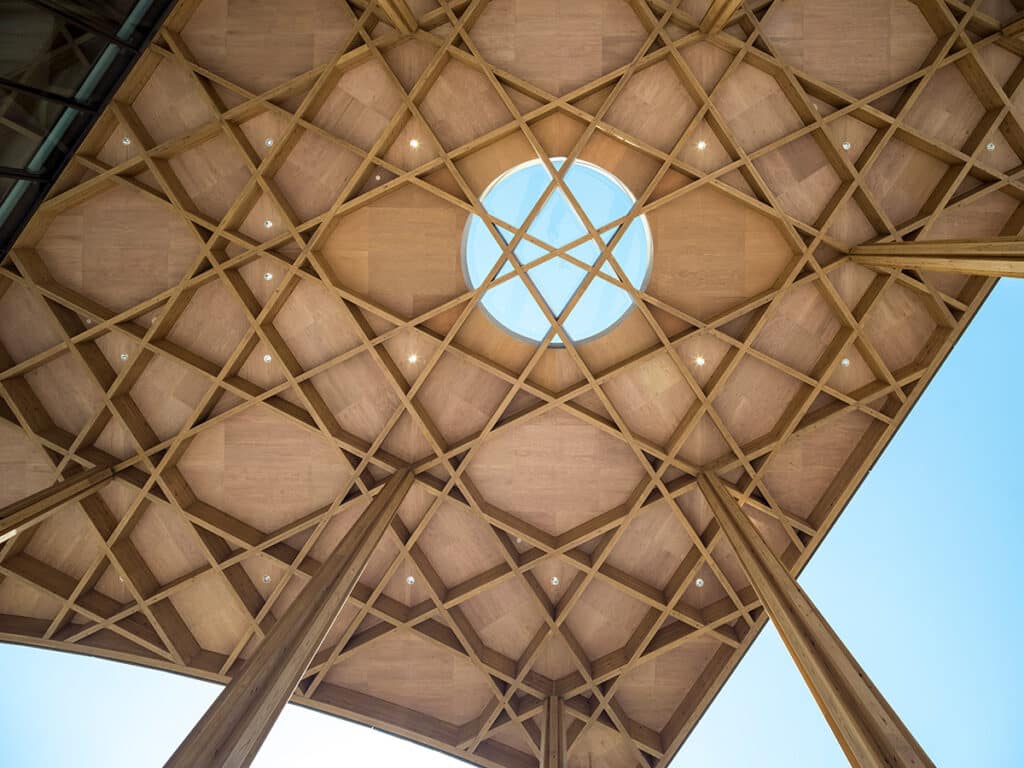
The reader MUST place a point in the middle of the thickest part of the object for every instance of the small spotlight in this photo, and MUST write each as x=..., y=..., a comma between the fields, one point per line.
x=410, y=580
x=268, y=223
x=519, y=540
x=413, y=358
x=414, y=143
x=88, y=321
x=699, y=360
x=847, y=146
x=266, y=576
x=991, y=146
x=702, y=145
x=845, y=362
x=555, y=581
x=376, y=177
x=268, y=141
x=699, y=582
x=267, y=358
x=268, y=276
x=126, y=140
x=124, y=355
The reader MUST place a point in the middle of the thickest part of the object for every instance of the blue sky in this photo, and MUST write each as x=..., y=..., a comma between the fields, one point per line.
x=603, y=199
x=933, y=615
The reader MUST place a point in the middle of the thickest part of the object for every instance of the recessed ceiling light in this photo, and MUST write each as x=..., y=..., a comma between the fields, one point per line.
x=555, y=581
x=414, y=143
x=519, y=540
x=88, y=321
x=991, y=146
x=376, y=177
x=699, y=360
x=410, y=580
x=268, y=141
x=126, y=140
x=268, y=276
x=699, y=582
x=266, y=576
x=847, y=146
x=267, y=358
x=845, y=362
x=268, y=223
x=124, y=355
x=413, y=357
x=702, y=145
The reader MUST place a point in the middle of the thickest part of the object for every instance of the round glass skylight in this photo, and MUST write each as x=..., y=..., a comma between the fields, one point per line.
x=604, y=200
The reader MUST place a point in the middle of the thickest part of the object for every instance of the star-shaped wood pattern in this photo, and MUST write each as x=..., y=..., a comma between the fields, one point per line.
x=255, y=311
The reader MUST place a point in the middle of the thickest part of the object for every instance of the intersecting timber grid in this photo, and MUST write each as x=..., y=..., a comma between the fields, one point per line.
x=253, y=313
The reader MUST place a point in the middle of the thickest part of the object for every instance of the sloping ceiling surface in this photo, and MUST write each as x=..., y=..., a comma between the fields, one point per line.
x=246, y=293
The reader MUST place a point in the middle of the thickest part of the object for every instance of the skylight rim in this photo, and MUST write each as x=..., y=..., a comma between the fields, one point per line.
x=640, y=218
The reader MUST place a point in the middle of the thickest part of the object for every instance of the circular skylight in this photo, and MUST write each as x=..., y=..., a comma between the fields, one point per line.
x=557, y=227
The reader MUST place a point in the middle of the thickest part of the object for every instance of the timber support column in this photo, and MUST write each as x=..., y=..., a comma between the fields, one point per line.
x=399, y=15
x=39, y=506
x=553, y=746
x=233, y=729
x=868, y=730
x=1001, y=257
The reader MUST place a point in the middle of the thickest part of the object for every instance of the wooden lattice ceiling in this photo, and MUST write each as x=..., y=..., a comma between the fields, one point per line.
x=135, y=320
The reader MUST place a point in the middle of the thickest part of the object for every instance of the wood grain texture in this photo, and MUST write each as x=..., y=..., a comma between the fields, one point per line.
x=233, y=729
x=869, y=731
x=255, y=385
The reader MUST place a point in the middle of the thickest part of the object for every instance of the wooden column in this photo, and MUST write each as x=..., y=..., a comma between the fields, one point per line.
x=234, y=727
x=717, y=15
x=868, y=730
x=553, y=740
x=39, y=506
x=400, y=16
x=995, y=258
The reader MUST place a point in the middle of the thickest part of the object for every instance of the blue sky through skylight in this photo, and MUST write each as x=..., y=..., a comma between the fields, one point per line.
x=604, y=200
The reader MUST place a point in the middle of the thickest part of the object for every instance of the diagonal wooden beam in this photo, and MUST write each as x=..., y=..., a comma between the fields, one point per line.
x=234, y=727
x=400, y=16
x=39, y=506
x=868, y=730
x=717, y=16
x=553, y=741
x=995, y=258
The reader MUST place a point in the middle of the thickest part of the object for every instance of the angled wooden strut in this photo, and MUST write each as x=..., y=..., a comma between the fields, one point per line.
x=553, y=742
x=231, y=732
x=717, y=15
x=996, y=258
x=400, y=16
x=39, y=506
x=868, y=730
